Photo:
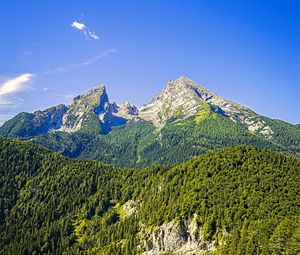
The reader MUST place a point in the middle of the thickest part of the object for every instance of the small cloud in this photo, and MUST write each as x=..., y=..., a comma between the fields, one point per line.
x=45, y=89
x=83, y=28
x=71, y=95
x=78, y=25
x=10, y=87
x=15, y=85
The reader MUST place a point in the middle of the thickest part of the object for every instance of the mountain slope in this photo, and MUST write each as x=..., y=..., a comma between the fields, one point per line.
x=183, y=98
x=180, y=99
x=138, y=144
x=182, y=121
x=32, y=124
x=240, y=200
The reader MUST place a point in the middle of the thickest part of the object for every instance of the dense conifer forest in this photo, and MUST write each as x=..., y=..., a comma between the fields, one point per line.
x=54, y=205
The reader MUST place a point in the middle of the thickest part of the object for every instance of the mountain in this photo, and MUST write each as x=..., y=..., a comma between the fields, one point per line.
x=31, y=124
x=183, y=98
x=180, y=99
x=93, y=111
x=182, y=121
x=90, y=112
x=239, y=200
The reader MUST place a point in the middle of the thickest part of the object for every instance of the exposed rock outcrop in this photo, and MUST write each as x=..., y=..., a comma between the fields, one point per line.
x=176, y=237
x=50, y=118
x=129, y=208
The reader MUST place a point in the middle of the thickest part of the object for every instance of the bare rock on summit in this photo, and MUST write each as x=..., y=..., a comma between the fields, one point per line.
x=127, y=111
x=92, y=102
x=94, y=105
x=182, y=98
x=179, y=98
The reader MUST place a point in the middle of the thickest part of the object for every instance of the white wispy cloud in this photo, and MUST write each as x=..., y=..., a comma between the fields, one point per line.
x=83, y=28
x=104, y=54
x=89, y=61
x=16, y=84
x=93, y=35
x=10, y=87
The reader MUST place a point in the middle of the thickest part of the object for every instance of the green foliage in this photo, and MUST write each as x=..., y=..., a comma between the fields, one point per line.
x=91, y=125
x=32, y=124
x=139, y=144
x=21, y=126
x=204, y=112
x=285, y=134
x=54, y=205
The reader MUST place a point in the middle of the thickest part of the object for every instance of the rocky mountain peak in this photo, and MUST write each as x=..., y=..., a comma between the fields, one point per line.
x=129, y=108
x=183, y=97
x=96, y=97
x=94, y=106
x=83, y=106
x=180, y=98
x=182, y=81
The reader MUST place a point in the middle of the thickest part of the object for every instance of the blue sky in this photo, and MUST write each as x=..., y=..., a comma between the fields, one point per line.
x=245, y=51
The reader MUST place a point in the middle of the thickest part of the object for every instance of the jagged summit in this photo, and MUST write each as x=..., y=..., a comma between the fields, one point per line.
x=178, y=99
x=183, y=97
x=82, y=106
x=94, y=108
x=96, y=95
x=183, y=81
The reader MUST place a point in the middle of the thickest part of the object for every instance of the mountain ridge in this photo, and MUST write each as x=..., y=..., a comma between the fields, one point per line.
x=183, y=121
x=179, y=99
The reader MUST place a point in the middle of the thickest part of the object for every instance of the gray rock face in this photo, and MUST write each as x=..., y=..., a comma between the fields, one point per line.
x=127, y=110
x=50, y=118
x=183, y=98
x=95, y=103
x=176, y=237
x=179, y=97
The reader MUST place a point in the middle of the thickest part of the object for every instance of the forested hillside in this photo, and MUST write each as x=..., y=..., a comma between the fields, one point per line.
x=243, y=200
x=139, y=144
